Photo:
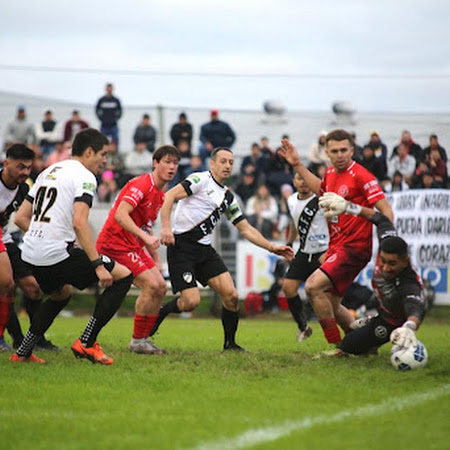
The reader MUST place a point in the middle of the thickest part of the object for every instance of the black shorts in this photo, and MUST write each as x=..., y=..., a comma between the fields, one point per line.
x=303, y=265
x=373, y=335
x=76, y=270
x=20, y=268
x=190, y=261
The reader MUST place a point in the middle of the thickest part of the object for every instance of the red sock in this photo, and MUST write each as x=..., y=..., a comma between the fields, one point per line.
x=140, y=327
x=331, y=331
x=150, y=323
x=4, y=313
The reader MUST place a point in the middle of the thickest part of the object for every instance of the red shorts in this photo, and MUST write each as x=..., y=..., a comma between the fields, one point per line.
x=2, y=244
x=342, y=265
x=137, y=261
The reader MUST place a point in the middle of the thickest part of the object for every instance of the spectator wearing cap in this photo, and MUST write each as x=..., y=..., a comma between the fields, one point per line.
x=379, y=148
x=145, y=132
x=213, y=134
x=47, y=134
x=181, y=131
x=413, y=149
x=109, y=111
x=402, y=162
x=434, y=144
x=20, y=131
x=73, y=126
x=318, y=152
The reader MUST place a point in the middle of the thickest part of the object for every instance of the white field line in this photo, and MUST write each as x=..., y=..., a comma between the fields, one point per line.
x=257, y=436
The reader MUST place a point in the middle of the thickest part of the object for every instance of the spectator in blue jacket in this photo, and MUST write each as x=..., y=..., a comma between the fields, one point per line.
x=109, y=111
x=213, y=134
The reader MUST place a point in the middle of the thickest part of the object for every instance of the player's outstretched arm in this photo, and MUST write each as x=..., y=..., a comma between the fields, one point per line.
x=290, y=154
x=255, y=237
x=173, y=195
x=23, y=216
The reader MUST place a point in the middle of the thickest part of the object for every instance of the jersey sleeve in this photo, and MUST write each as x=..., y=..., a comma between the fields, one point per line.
x=414, y=300
x=371, y=188
x=193, y=183
x=134, y=192
x=385, y=227
x=85, y=187
x=234, y=213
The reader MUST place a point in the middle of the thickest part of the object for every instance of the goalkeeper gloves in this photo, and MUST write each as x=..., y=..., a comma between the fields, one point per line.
x=335, y=205
x=404, y=336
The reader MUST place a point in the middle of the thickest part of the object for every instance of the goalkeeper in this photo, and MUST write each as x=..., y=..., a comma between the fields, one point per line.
x=397, y=286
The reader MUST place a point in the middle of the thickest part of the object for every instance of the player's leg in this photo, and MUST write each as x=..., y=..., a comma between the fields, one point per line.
x=317, y=288
x=6, y=274
x=153, y=289
x=5, y=302
x=344, y=317
x=224, y=286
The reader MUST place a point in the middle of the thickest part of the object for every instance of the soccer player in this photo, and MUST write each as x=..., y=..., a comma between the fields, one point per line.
x=202, y=199
x=13, y=190
x=350, y=247
x=55, y=214
x=127, y=238
x=307, y=222
x=397, y=286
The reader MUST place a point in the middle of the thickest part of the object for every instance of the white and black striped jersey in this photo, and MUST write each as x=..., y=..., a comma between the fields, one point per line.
x=53, y=196
x=310, y=222
x=196, y=215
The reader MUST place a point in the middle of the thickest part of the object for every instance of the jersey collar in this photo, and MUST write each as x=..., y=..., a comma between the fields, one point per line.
x=222, y=186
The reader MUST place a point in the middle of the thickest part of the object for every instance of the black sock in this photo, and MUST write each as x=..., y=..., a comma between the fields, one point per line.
x=42, y=320
x=230, y=321
x=31, y=306
x=13, y=327
x=166, y=309
x=296, y=307
x=105, y=308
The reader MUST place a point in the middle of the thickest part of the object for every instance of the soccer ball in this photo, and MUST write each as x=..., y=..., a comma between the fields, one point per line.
x=410, y=357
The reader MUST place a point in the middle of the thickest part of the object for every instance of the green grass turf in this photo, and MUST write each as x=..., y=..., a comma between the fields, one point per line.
x=197, y=395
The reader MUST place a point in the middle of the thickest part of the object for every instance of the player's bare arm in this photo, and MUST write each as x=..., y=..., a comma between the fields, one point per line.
x=173, y=195
x=255, y=237
x=290, y=154
x=85, y=239
x=23, y=216
x=124, y=219
x=385, y=208
x=293, y=233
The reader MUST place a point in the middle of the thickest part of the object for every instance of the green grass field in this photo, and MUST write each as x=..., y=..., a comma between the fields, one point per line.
x=276, y=397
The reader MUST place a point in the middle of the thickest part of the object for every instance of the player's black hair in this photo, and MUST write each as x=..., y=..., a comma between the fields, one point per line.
x=86, y=138
x=20, y=151
x=165, y=150
x=217, y=150
x=394, y=245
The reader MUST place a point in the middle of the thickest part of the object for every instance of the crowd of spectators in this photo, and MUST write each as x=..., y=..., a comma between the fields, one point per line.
x=264, y=180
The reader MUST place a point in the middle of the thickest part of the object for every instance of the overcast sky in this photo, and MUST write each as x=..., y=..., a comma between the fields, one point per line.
x=233, y=36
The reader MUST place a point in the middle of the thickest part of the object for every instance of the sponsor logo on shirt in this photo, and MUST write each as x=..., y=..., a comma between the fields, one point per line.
x=371, y=187
x=194, y=178
x=89, y=186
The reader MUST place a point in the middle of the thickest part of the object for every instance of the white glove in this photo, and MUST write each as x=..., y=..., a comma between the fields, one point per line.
x=333, y=203
x=403, y=337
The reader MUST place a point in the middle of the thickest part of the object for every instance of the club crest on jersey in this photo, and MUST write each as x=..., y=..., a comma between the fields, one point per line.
x=343, y=190
x=380, y=332
x=187, y=276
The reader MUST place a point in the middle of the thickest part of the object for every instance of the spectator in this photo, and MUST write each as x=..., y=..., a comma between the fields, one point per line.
x=438, y=167
x=213, y=134
x=434, y=143
x=109, y=111
x=379, y=148
x=284, y=219
x=403, y=163
x=412, y=148
x=145, y=132
x=279, y=173
x=318, y=153
x=181, y=131
x=372, y=163
x=47, y=134
x=416, y=181
x=197, y=165
x=386, y=184
x=63, y=151
x=37, y=166
x=20, y=131
x=428, y=181
x=247, y=186
x=73, y=126
x=257, y=160
x=115, y=163
x=357, y=149
x=184, y=164
x=398, y=183
x=262, y=211
x=266, y=150
x=107, y=188
x=139, y=161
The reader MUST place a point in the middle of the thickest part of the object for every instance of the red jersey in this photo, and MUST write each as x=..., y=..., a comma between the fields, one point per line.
x=142, y=193
x=357, y=185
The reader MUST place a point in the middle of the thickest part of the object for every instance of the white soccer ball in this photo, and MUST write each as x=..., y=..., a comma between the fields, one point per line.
x=408, y=358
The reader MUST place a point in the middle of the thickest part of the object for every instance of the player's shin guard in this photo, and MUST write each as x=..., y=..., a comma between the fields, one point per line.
x=44, y=317
x=330, y=330
x=296, y=308
x=166, y=309
x=105, y=308
x=230, y=321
